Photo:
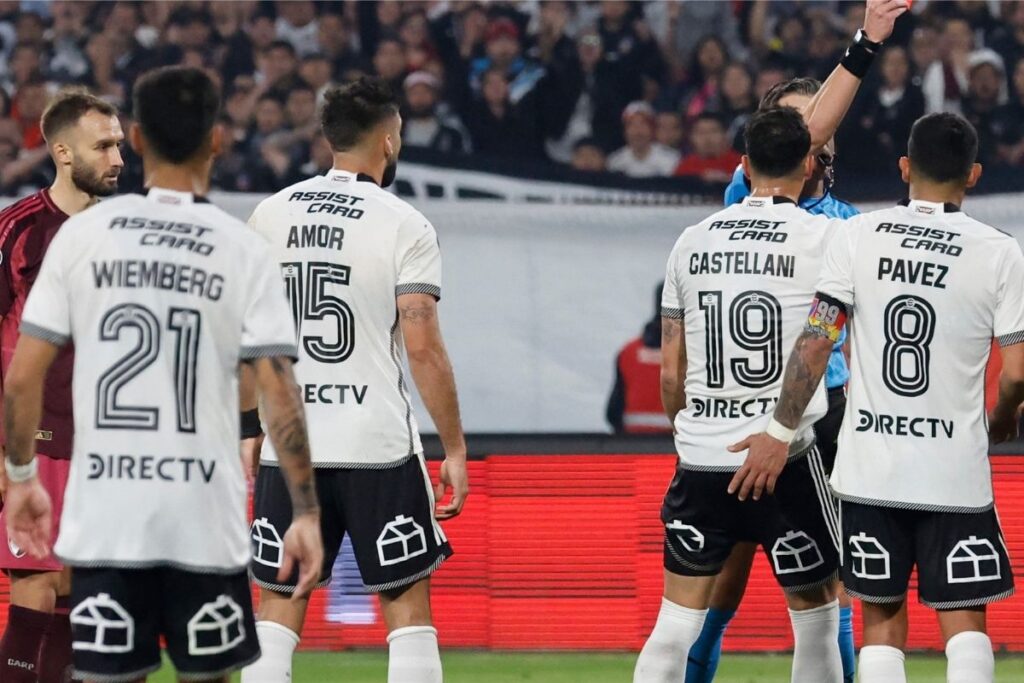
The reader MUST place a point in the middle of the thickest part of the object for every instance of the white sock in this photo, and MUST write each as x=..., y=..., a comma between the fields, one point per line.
x=663, y=659
x=881, y=664
x=277, y=643
x=816, y=657
x=413, y=656
x=969, y=658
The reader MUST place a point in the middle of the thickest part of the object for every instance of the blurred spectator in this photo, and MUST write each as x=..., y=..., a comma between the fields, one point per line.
x=690, y=21
x=334, y=39
x=497, y=126
x=297, y=24
x=945, y=81
x=924, y=51
x=627, y=37
x=888, y=114
x=69, y=63
x=415, y=35
x=767, y=78
x=985, y=91
x=389, y=61
x=315, y=70
x=595, y=91
x=668, y=129
x=24, y=64
x=711, y=156
x=1008, y=39
x=422, y=126
x=589, y=157
x=278, y=66
x=703, y=76
x=1008, y=121
x=504, y=51
x=735, y=101
x=300, y=112
x=29, y=103
x=642, y=157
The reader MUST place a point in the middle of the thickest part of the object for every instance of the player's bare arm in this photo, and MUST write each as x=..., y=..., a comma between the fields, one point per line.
x=286, y=422
x=248, y=404
x=673, y=367
x=1002, y=421
x=27, y=503
x=432, y=372
x=827, y=108
x=807, y=363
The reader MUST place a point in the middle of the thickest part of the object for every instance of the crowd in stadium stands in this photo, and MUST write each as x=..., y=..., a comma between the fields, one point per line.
x=640, y=88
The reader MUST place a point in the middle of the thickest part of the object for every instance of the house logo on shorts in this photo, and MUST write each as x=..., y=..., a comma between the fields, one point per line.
x=216, y=627
x=687, y=535
x=870, y=558
x=15, y=550
x=973, y=560
x=102, y=625
x=402, y=539
x=795, y=552
x=267, y=546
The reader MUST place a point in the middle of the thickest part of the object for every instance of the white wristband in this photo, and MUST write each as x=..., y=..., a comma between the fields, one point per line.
x=19, y=473
x=779, y=431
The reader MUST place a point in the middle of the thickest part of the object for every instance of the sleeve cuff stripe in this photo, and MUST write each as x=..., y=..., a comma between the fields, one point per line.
x=269, y=351
x=419, y=288
x=43, y=333
x=673, y=313
x=1011, y=339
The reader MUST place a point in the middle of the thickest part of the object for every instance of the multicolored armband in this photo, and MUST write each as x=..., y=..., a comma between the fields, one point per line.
x=827, y=317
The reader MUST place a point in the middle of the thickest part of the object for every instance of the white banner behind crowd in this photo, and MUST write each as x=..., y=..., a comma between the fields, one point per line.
x=537, y=299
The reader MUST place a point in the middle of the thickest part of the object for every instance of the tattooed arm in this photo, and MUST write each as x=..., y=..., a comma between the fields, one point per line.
x=286, y=424
x=432, y=372
x=767, y=454
x=673, y=367
x=806, y=367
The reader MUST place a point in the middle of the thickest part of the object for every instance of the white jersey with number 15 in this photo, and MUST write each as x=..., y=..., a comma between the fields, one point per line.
x=347, y=249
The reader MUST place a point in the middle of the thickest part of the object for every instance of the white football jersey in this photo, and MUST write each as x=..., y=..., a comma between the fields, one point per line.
x=927, y=289
x=742, y=281
x=162, y=296
x=347, y=249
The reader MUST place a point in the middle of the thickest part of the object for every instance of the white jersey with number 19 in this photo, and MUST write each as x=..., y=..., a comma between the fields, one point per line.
x=742, y=281
x=163, y=296
x=347, y=248
x=927, y=288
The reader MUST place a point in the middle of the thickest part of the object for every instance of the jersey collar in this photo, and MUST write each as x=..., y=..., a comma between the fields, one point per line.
x=339, y=176
x=758, y=202
x=929, y=208
x=161, y=195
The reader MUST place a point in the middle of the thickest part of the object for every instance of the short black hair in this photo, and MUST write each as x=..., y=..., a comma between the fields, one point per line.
x=176, y=108
x=777, y=141
x=710, y=116
x=282, y=45
x=67, y=107
x=793, y=86
x=352, y=110
x=943, y=147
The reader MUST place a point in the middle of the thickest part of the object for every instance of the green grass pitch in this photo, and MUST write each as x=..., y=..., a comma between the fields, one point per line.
x=488, y=667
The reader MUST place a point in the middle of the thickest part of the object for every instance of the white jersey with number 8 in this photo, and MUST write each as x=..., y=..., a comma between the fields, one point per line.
x=927, y=289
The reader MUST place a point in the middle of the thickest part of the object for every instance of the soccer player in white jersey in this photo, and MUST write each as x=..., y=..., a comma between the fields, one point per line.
x=163, y=295
x=731, y=302
x=924, y=289
x=363, y=270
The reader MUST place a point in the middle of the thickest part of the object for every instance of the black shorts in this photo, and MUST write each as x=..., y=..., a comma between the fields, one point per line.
x=797, y=527
x=118, y=616
x=961, y=558
x=826, y=430
x=387, y=513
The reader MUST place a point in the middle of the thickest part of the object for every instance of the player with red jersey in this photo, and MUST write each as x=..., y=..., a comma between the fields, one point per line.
x=83, y=133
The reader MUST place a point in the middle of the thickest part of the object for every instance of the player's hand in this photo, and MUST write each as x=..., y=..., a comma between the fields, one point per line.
x=1002, y=428
x=303, y=545
x=455, y=477
x=251, y=449
x=29, y=517
x=762, y=467
x=880, y=17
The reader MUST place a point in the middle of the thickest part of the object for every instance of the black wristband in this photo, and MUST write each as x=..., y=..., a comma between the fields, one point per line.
x=251, y=427
x=859, y=56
